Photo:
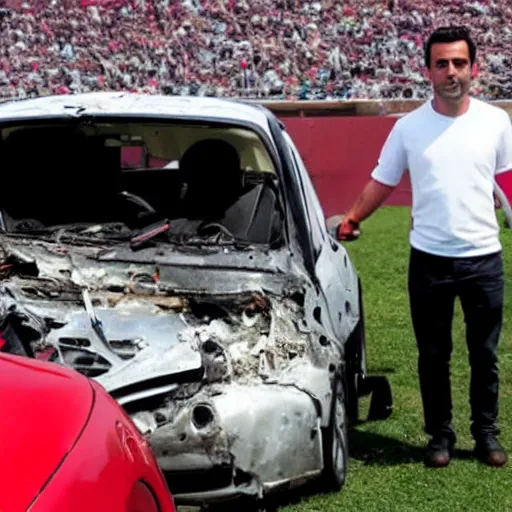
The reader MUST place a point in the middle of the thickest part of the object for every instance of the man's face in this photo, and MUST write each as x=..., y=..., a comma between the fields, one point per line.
x=450, y=70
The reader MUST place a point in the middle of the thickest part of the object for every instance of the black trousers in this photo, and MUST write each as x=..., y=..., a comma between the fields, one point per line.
x=434, y=283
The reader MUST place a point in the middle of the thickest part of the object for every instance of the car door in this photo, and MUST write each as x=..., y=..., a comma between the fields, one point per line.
x=334, y=270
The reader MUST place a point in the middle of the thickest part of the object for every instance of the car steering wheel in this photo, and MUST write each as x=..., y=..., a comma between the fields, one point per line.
x=138, y=201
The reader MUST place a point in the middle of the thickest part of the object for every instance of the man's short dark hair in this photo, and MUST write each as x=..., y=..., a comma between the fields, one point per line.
x=450, y=35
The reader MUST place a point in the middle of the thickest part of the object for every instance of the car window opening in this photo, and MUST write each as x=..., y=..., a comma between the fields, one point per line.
x=115, y=179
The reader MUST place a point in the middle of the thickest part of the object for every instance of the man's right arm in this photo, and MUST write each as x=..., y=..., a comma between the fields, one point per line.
x=384, y=179
x=372, y=196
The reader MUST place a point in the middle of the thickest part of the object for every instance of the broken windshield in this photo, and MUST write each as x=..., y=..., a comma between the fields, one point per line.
x=112, y=181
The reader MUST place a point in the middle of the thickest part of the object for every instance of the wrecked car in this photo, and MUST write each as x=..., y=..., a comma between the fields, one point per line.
x=174, y=250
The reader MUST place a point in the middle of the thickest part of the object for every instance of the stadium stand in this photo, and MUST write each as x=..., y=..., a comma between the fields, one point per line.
x=262, y=49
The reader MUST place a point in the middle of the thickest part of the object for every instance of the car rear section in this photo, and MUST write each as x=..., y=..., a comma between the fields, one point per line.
x=67, y=445
x=43, y=411
x=111, y=468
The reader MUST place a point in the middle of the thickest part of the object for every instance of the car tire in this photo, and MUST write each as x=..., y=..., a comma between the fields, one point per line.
x=335, y=442
x=355, y=364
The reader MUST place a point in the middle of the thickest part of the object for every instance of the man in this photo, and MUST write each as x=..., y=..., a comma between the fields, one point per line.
x=453, y=146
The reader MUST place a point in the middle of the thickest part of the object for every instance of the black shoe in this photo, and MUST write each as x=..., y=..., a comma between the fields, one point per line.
x=439, y=452
x=489, y=451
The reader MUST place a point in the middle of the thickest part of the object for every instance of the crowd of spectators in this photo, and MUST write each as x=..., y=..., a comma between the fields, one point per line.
x=275, y=49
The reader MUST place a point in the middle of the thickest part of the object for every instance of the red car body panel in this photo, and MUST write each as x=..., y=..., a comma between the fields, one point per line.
x=43, y=409
x=103, y=457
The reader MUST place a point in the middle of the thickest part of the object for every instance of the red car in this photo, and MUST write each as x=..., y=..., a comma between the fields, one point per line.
x=66, y=445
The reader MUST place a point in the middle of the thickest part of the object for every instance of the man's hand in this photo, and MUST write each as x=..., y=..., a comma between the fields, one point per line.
x=348, y=230
x=372, y=196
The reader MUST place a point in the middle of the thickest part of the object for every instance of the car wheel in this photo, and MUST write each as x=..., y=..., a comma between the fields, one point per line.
x=335, y=443
x=355, y=359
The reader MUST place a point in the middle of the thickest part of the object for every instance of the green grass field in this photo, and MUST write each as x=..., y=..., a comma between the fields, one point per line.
x=385, y=469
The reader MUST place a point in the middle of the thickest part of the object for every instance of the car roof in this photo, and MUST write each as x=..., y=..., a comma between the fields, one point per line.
x=127, y=103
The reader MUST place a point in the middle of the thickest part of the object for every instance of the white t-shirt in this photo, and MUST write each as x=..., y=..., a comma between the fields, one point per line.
x=452, y=162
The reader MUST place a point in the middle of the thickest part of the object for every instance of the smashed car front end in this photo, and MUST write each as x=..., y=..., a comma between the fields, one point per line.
x=229, y=385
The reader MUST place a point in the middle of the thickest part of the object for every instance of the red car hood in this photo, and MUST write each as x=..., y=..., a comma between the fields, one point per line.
x=43, y=409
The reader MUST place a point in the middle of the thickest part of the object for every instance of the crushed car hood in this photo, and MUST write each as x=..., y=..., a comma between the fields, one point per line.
x=138, y=328
x=144, y=346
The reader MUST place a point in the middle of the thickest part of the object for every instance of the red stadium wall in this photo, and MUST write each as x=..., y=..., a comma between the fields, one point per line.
x=340, y=153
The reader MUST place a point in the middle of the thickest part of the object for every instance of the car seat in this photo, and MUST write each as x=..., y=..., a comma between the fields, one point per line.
x=211, y=170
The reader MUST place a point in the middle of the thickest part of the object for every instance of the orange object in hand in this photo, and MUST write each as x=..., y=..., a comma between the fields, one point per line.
x=348, y=230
